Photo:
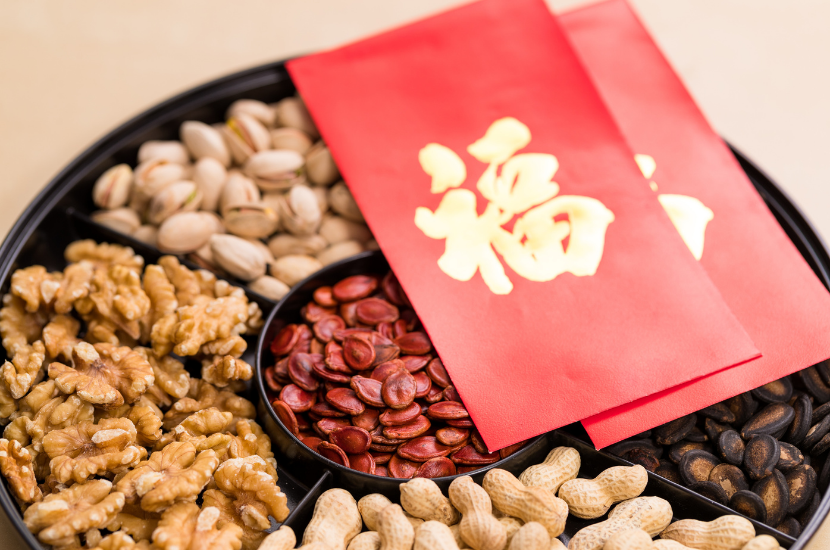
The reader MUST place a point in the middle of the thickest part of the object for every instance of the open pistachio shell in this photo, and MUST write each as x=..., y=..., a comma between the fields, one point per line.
x=290, y=138
x=300, y=211
x=182, y=196
x=320, y=166
x=276, y=170
x=171, y=151
x=260, y=111
x=251, y=220
x=210, y=176
x=342, y=202
x=292, y=112
x=203, y=140
x=112, y=189
x=245, y=136
x=123, y=220
x=238, y=190
x=151, y=177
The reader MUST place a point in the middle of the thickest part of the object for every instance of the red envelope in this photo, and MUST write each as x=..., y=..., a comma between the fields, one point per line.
x=550, y=281
x=759, y=272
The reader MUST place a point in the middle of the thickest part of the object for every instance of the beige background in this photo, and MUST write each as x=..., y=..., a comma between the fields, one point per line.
x=71, y=71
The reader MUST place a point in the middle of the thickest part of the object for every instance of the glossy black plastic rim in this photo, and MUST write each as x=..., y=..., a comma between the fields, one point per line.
x=789, y=216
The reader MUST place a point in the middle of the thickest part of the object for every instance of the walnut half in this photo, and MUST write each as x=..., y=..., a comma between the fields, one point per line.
x=16, y=465
x=185, y=527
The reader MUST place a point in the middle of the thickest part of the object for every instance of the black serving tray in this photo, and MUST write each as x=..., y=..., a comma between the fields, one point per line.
x=60, y=215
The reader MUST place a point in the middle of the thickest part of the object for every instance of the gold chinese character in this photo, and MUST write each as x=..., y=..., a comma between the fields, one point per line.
x=689, y=216
x=512, y=184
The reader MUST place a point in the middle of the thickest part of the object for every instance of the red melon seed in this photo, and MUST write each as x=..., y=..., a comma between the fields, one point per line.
x=286, y=416
x=422, y=449
x=414, y=343
x=333, y=453
x=392, y=417
x=363, y=462
x=401, y=468
x=285, y=340
x=351, y=439
x=436, y=467
x=298, y=399
x=398, y=390
x=371, y=311
x=368, y=390
x=358, y=353
x=354, y=288
x=346, y=400
x=447, y=410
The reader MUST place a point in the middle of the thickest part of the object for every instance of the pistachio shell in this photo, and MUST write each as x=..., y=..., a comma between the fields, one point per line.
x=283, y=245
x=147, y=234
x=339, y=251
x=276, y=170
x=203, y=257
x=184, y=232
x=245, y=136
x=216, y=223
x=238, y=190
x=292, y=112
x=322, y=195
x=151, y=177
x=300, y=211
x=237, y=256
x=269, y=287
x=171, y=151
x=342, y=202
x=263, y=248
x=112, y=189
x=336, y=229
x=294, y=268
x=262, y=112
x=210, y=176
x=182, y=196
x=123, y=220
x=290, y=138
x=320, y=167
x=251, y=220
x=204, y=141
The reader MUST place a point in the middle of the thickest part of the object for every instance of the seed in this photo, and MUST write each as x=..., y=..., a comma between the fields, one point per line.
x=697, y=465
x=436, y=467
x=381, y=458
x=816, y=433
x=333, y=453
x=730, y=478
x=328, y=425
x=325, y=327
x=382, y=471
x=710, y=490
x=452, y=437
x=372, y=311
x=368, y=419
x=438, y=374
x=674, y=431
x=421, y=449
x=680, y=448
x=777, y=391
x=354, y=288
x=414, y=363
x=801, y=483
x=743, y=406
x=311, y=442
x=409, y=430
x=774, y=492
x=392, y=417
x=414, y=343
x=345, y=399
x=368, y=390
x=363, y=462
x=749, y=504
x=773, y=419
x=714, y=429
x=811, y=378
x=790, y=457
x=285, y=340
x=804, y=415
x=669, y=471
x=324, y=410
x=399, y=389
x=790, y=526
x=719, y=412
x=394, y=292
x=469, y=456
x=301, y=371
x=401, y=468
x=351, y=439
x=297, y=399
x=643, y=457
x=761, y=456
x=286, y=416
x=731, y=447
x=324, y=297
x=358, y=352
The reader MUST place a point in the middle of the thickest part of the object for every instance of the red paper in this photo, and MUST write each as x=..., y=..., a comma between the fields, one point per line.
x=399, y=111
x=759, y=272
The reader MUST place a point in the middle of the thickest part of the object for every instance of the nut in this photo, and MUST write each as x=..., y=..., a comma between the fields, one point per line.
x=276, y=170
x=300, y=211
x=761, y=542
x=724, y=533
x=221, y=371
x=530, y=536
x=61, y=516
x=368, y=540
x=651, y=514
x=422, y=498
x=151, y=177
x=292, y=112
x=632, y=539
x=254, y=220
x=22, y=371
x=210, y=176
x=320, y=167
x=293, y=268
x=336, y=230
x=478, y=527
x=182, y=196
x=342, y=202
x=203, y=141
x=171, y=151
x=270, y=287
x=395, y=531
x=526, y=503
x=591, y=498
x=16, y=466
x=238, y=189
x=123, y=220
x=291, y=139
x=335, y=521
x=283, y=245
x=112, y=189
x=262, y=112
x=147, y=234
x=185, y=527
x=434, y=535
x=561, y=465
x=245, y=136
x=185, y=232
x=339, y=251
x=237, y=256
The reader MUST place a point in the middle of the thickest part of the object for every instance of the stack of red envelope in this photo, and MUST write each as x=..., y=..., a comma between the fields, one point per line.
x=577, y=241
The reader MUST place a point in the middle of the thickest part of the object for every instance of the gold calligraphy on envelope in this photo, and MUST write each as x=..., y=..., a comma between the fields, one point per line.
x=689, y=216
x=554, y=234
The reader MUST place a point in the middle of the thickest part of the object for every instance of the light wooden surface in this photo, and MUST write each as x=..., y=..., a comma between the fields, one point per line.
x=71, y=71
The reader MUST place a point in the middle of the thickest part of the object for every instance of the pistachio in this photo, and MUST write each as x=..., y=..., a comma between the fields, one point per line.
x=203, y=257
x=112, y=189
x=171, y=151
x=290, y=138
x=262, y=112
x=263, y=249
x=322, y=195
x=283, y=245
x=210, y=176
x=336, y=229
x=269, y=287
x=299, y=211
x=204, y=141
x=147, y=234
x=237, y=256
x=292, y=112
x=123, y=220
x=320, y=166
x=251, y=220
x=182, y=196
x=184, y=232
x=339, y=251
x=151, y=177
x=273, y=200
x=216, y=223
x=276, y=170
x=372, y=245
x=293, y=268
x=238, y=190
x=245, y=136
x=342, y=202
